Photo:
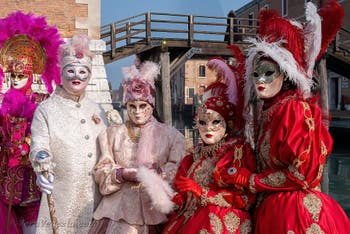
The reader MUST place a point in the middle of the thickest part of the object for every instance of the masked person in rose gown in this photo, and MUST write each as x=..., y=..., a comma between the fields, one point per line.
x=24, y=54
x=64, y=132
x=138, y=161
x=292, y=142
x=205, y=203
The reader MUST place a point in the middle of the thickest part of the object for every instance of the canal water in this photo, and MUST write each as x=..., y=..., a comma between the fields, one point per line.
x=338, y=162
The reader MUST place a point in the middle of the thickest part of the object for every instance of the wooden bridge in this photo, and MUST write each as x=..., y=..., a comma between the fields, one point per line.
x=172, y=39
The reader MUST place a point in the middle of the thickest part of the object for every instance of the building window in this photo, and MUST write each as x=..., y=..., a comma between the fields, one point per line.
x=284, y=8
x=202, y=71
x=190, y=92
x=250, y=17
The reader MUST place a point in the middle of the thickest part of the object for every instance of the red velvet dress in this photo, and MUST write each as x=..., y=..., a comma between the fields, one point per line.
x=221, y=208
x=292, y=148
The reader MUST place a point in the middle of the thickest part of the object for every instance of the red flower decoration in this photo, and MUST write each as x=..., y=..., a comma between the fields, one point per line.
x=79, y=55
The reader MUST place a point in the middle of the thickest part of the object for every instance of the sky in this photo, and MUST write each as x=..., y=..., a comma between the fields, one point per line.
x=115, y=10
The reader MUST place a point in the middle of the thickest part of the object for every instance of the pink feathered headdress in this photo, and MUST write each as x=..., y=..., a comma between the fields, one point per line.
x=225, y=95
x=30, y=35
x=138, y=82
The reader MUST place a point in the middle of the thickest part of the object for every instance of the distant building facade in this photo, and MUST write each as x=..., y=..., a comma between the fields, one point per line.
x=189, y=83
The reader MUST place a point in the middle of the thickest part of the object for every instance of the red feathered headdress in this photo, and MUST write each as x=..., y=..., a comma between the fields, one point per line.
x=30, y=36
x=295, y=46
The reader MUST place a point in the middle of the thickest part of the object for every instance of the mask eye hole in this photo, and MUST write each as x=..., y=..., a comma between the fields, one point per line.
x=82, y=72
x=217, y=121
x=269, y=73
x=255, y=74
x=143, y=106
x=71, y=71
x=202, y=122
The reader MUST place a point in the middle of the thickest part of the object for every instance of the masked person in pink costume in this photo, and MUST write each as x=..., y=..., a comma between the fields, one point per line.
x=64, y=132
x=23, y=53
x=138, y=161
x=205, y=203
x=292, y=142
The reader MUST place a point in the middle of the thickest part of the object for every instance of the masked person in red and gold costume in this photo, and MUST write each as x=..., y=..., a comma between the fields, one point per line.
x=292, y=142
x=205, y=203
x=28, y=46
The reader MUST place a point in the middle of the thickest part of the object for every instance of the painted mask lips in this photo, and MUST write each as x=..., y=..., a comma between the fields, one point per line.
x=261, y=88
x=76, y=82
x=208, y=135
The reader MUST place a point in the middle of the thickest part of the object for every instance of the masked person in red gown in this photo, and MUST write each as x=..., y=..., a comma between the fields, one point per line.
x=205, y=203
x=28, y=48
x=292, y=142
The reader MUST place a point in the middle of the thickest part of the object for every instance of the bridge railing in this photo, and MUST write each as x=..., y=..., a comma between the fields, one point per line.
x=150, y=27
x=342, y=42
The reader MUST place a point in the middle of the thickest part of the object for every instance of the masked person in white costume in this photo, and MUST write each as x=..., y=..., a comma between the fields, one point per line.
x=64, y=132
x=139, y=159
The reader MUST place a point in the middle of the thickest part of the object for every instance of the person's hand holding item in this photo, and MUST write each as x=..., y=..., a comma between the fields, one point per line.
x=45, y=184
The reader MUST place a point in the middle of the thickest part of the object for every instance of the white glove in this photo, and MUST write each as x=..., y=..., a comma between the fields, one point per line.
x=45, y=184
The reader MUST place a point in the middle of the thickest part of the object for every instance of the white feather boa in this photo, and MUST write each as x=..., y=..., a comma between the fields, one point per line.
x=157, y=188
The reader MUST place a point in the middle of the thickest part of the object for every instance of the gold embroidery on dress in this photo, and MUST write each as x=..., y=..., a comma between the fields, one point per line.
x=296, y=173
x=219, y=200
x=190, y=207
x=203, y=174
x=324, y=151
x=246, y=227
x=215, y=223
x=232, y=222
x=237, y=155
x=134, y=137
x=314, y=229
x=308, y=118
x=313, y=204
x=252, y=183
x=206, y=151
x=264, y=152
x=203, y=231
x=276, y=179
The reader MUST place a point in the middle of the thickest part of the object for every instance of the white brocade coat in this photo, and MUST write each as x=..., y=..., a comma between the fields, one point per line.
x=67, y=131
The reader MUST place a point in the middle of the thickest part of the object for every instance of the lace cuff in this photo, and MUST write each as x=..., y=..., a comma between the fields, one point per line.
x=42, y=162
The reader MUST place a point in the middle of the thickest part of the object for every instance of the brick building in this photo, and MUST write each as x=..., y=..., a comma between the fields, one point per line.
x=70, y=17
x=189, y=82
